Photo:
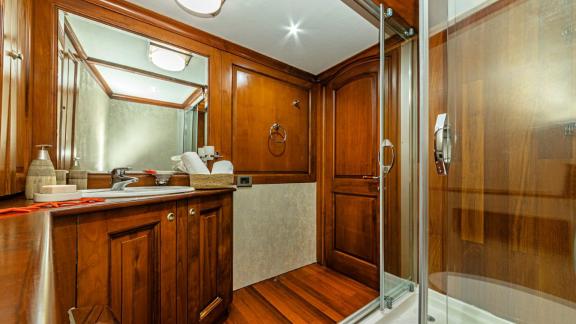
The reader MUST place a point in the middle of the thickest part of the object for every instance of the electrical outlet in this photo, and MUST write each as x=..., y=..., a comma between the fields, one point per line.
x=244, y=181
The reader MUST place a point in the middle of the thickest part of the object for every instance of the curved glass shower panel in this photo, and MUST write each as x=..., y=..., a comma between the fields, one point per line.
x=503, y=221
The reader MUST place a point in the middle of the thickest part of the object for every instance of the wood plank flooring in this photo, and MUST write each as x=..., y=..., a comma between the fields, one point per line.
x=312, y=294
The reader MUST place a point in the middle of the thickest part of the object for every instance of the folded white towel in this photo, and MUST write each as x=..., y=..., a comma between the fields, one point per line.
x=192, y=164
x=223, y=167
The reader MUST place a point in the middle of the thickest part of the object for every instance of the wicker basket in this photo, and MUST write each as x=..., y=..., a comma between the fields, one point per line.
x=211, y=181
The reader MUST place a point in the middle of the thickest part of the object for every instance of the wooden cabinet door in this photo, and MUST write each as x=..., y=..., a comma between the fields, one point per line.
x=14, y=135
x=127, y=261
x=352, y=223
x=210, y=252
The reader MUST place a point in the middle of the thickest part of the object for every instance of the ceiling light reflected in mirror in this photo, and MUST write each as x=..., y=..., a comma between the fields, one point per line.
x=168, y=59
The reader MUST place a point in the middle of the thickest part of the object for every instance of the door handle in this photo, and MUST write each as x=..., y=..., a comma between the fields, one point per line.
x=387, y=167
x=442, y=145
x=15, y=55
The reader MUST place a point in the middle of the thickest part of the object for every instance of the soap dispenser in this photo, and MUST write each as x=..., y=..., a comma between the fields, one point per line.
x=78, y=176
x=40, y=173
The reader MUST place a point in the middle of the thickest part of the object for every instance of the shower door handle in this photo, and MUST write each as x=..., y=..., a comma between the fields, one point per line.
x=442, y=145
x=387, y=167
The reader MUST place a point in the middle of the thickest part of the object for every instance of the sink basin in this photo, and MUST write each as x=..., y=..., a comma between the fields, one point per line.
x=134, y=192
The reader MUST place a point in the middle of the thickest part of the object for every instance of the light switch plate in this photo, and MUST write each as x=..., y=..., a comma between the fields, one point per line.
x=244, y=181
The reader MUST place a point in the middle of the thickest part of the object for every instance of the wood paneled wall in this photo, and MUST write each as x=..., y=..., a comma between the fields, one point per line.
x=295, y=164
x=258, y=97
x=14, y=114
x=507, y=211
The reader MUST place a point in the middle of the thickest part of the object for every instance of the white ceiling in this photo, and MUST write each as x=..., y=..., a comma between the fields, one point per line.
x=331, y=31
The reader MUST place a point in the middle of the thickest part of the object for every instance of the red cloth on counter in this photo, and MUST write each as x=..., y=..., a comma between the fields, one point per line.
x=56, y=204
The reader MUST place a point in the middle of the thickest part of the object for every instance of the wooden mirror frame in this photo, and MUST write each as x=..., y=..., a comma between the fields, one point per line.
x=43, y=93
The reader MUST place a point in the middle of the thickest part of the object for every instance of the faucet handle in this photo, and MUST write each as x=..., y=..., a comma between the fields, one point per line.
x=120, y=171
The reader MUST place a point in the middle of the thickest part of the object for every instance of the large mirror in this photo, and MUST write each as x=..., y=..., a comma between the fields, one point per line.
x=125, y=100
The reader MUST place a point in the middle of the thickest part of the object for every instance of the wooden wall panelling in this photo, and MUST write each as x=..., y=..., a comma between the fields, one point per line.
x=125, y=15
x=14, y=130
x=319, y=95
x=256, y=96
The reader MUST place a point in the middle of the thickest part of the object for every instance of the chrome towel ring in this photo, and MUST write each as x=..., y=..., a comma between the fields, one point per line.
x=276, y=128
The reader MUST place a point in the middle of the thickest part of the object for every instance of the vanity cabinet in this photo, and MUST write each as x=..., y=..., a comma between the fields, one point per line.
x=167, y=261
x=127, y=261
x=210, y=253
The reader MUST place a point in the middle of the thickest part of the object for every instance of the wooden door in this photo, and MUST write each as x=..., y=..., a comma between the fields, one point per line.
x=210, y=252
x=127, y=261
x=351, y=162
x=352, y=224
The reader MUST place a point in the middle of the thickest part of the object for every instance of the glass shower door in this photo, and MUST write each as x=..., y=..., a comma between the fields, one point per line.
x=502, y=222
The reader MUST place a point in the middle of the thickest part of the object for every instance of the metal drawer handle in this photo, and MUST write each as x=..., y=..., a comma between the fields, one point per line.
x=192, y=212
x=171, y=217
x=276, y=128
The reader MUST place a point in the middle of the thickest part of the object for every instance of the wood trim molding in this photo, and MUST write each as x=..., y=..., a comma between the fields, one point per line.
x=391, y=44
x=81, y=53
x=150, y=74
x=146, y=101
x=193, y=97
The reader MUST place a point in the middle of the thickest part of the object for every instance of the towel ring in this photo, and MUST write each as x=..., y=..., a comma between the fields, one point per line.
x=276, y=128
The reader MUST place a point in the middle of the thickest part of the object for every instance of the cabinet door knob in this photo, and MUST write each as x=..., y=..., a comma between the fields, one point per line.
x=192, y=212
x=171, y=217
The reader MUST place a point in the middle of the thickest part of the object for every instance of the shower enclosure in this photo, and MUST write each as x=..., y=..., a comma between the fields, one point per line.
x=498, y=161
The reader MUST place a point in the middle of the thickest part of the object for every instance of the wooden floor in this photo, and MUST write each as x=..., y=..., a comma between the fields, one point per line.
x=312, y=294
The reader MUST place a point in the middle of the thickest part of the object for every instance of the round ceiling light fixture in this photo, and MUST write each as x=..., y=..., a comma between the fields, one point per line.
x=166, y=59
x=202, y=8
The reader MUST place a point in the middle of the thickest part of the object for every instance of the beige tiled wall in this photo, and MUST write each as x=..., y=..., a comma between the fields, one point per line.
x=274, y=230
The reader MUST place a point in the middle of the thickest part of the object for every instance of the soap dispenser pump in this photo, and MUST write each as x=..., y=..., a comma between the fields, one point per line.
x=40, y=173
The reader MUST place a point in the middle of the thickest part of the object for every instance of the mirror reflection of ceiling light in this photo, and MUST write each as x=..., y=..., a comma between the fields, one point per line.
x=167, y=59
x=202, y=8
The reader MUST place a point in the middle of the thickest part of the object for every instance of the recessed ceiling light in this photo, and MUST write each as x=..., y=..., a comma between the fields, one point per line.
x=202, y=8
x=294, y=29
x=167, y=59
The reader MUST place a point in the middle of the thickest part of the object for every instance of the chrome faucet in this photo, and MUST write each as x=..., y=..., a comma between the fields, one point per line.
x=120, y=180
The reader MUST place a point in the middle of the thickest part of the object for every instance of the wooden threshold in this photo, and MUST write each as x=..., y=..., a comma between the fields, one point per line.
x=312, y=294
